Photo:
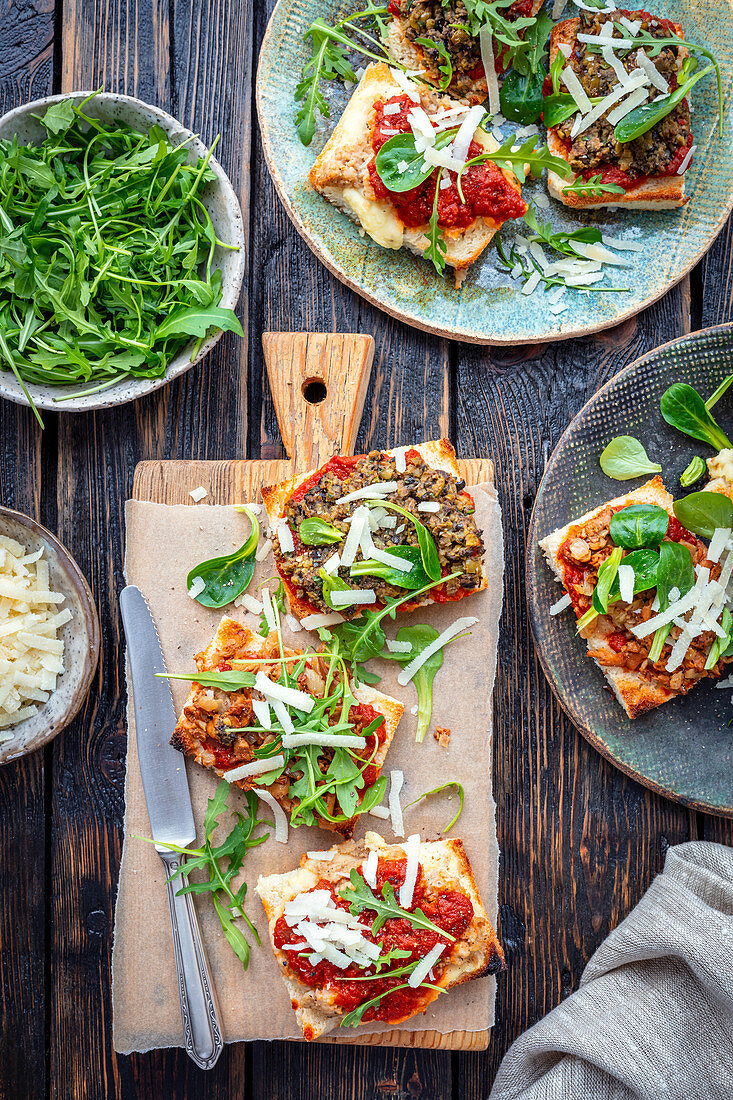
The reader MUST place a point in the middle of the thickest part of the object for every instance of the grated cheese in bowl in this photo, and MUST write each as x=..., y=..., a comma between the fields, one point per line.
x=31, y=653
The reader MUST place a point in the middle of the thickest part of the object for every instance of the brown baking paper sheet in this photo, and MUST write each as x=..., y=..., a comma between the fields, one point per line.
x=163, y=543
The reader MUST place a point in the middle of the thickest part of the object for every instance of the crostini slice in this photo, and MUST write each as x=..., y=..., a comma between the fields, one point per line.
x=229, y=731
x=345, y=172
x=650, y=168
x=424, y=480
x=449, y=33
x=575, y=553
x=343, y=968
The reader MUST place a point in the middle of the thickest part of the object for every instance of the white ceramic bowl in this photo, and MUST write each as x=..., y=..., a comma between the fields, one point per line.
x=220, y=200
x=81, y=637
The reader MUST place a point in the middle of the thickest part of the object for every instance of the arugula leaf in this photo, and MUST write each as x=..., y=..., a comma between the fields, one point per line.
x=329, y=61
x=437, y=790
x=537, y=157
x=234, y=680
x=196, y=321
x=228, y=576
x=593, y=187
x=59, y=117
x=504, y=30
x=222, y=863
x=526, y=266
x=359, y=897
x=561, y=241
x=437, y=249
x=445, y=66
x=520, y=96
x=420, y=636
x=354, y=1018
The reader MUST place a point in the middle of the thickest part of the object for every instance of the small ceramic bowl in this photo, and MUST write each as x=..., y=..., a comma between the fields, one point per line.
x=219, y=198
x=81, y=637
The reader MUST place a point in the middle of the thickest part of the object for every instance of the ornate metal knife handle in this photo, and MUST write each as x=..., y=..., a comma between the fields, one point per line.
x=199, y=1009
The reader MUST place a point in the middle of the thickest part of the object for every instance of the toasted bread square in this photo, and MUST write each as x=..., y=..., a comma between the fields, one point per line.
x=653, y=193
x=437, y=454
x=341, y=174
x=636, y=692
x=413, y=57
x=445, y=867
x=195, y=734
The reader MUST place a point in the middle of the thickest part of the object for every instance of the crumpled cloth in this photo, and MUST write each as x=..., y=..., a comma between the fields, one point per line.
x=652, y=1018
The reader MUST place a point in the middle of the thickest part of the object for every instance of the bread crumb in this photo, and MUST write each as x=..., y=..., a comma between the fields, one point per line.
x=442, y=736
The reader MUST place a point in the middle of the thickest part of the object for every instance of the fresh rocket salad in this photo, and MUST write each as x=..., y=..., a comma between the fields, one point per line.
x=614, y=103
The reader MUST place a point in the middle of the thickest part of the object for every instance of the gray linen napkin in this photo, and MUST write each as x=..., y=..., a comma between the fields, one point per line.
x=653, y=1016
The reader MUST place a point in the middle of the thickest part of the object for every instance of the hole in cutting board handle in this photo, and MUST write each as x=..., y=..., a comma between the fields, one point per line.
x=314, y=391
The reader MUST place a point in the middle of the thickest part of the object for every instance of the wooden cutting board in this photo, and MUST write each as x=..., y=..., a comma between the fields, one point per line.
x=318, y=383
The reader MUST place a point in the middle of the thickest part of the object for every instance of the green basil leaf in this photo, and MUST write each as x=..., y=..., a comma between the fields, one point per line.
x=683, y=408
x=644, y=563
x=400, y=150
x=639, y=526
x=416, y=578
x=693, y=472
x=520, y=96
x=227, y=577
x=703, y=512
x=625, y=457
x=318, y=532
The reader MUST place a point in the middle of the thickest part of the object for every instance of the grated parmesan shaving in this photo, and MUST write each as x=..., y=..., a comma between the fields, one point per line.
x=198, y=584
x=561, y=604
x=407, y=889
x=396, y=779
x=198, y=494
x=281, y=821
x=255, y=767
x=486, y=42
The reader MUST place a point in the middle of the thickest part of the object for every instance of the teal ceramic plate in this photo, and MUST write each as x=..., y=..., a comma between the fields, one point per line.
x=489, y=308
x=683, y=749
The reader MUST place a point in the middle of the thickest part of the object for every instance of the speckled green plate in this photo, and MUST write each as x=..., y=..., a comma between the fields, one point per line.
x=489, y=308
x=683, y=749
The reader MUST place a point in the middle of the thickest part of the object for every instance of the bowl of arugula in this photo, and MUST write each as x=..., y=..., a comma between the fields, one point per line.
x=121, y=251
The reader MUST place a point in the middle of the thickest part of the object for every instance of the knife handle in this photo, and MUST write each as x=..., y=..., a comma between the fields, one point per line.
x=199, y=1009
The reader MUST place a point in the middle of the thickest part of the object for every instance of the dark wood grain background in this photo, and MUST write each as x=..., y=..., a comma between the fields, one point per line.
x=580, y=842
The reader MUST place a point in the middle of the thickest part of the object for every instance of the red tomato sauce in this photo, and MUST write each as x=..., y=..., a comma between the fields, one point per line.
x=222, y=754
x=616, y=642
x=450, y=910
x=677, y=533
x=485, y=190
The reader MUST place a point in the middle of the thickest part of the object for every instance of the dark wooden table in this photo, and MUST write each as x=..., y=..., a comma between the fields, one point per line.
x=580, y=842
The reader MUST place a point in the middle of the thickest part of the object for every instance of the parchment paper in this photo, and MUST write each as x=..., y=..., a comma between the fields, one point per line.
x=163, y=543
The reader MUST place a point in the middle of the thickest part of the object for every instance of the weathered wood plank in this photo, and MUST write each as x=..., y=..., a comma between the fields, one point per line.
x=26, y=72
x=195, y=61
x=580, y=842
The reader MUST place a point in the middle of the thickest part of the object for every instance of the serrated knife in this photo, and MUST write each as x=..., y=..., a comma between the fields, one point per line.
x=168, y=799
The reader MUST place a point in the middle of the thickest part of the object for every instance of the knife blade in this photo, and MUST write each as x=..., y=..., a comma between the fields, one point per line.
x=162, y=767
x=165, y=784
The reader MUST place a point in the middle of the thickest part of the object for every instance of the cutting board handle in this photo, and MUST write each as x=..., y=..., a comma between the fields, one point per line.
x=318, y=382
